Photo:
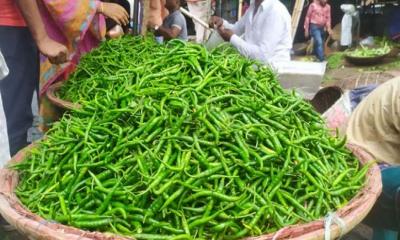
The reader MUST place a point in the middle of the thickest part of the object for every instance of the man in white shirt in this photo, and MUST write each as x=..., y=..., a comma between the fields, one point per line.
x=266, y=30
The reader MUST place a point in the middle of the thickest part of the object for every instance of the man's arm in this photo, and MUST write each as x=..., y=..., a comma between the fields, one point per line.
x=178, y=23
x=308, y=20
x=238, y=28
x=169, y=33
x=272, y=34
x=56, y=52
x=328, y=20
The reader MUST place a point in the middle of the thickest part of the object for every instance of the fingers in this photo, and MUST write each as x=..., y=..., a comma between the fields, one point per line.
x=117, y=20
x=59, y=57
x=121, y=18
x=126, y=17
x=216, y=22
x=122, y=15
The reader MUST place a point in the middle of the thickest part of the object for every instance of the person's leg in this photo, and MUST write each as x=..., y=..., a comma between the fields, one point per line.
x=18, y=87
x=317, y=35
x=386, y=213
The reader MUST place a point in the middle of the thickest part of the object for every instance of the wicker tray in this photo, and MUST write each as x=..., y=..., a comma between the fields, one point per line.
x=51, y=95
x=36, y=227
x=325, y=98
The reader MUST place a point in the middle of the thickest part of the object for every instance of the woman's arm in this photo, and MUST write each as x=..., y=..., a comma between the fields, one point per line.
x=56, y=52
x=114, y=11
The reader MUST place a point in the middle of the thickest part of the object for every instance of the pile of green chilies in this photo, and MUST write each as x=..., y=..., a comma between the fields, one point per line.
x=365, y=52
x=113, y=64
x=188, y=145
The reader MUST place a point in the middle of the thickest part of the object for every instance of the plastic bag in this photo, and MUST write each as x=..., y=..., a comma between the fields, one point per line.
x=358, y=94
x=4, y=147
x=369, y=41
x=347, y=22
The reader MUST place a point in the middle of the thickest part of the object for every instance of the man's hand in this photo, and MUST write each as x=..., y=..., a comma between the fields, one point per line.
x=216, y=22
x=56, y=52
x=307, y=34
x=226, y=34
x=115, y=12
x=330, y=32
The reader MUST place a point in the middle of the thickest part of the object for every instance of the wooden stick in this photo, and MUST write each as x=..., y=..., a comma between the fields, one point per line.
x=201, y=22
x=297, y=10
x=240, y=9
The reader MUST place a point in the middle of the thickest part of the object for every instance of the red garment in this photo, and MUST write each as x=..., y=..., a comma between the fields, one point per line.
x=319, y=15
x=10, y=14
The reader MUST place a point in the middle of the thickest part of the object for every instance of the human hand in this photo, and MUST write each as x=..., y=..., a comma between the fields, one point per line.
x=115, y=12
x=226, y=34
x=330, y=32
x=115, y=32
x=216, y=22
x=54, y=51
x=307, y=34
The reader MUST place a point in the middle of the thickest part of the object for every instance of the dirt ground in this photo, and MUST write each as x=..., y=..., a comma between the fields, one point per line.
x=349, y=76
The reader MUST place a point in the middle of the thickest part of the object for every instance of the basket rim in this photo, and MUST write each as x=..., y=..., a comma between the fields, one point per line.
x=358, y=206
x=51, y=95
x=369, y=58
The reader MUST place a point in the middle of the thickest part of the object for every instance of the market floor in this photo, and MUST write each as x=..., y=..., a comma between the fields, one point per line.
x=9, y=233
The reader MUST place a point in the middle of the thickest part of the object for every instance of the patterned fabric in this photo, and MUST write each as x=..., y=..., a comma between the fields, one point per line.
x=75, y=24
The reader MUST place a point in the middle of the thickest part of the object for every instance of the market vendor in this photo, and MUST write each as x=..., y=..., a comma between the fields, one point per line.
x=266, y=31
x=174, y=25
x=375, y=126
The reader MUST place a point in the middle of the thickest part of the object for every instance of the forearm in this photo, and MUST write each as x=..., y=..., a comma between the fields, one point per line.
x=237, y=28
x=328, y=27
x=165, y=32
x=56, y=52
x=306, y=24
x=31, y=14
x=249, y=50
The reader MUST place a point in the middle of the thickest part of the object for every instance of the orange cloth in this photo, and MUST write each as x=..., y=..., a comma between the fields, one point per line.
x=10, y=14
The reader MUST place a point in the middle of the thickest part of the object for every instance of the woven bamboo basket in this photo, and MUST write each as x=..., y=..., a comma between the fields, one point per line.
x=51, y=95
x=36, y=227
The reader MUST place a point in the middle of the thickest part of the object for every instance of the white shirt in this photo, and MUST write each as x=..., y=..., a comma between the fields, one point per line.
x=267, y=35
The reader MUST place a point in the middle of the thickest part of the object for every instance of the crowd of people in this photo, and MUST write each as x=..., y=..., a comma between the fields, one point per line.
x=63, y=30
